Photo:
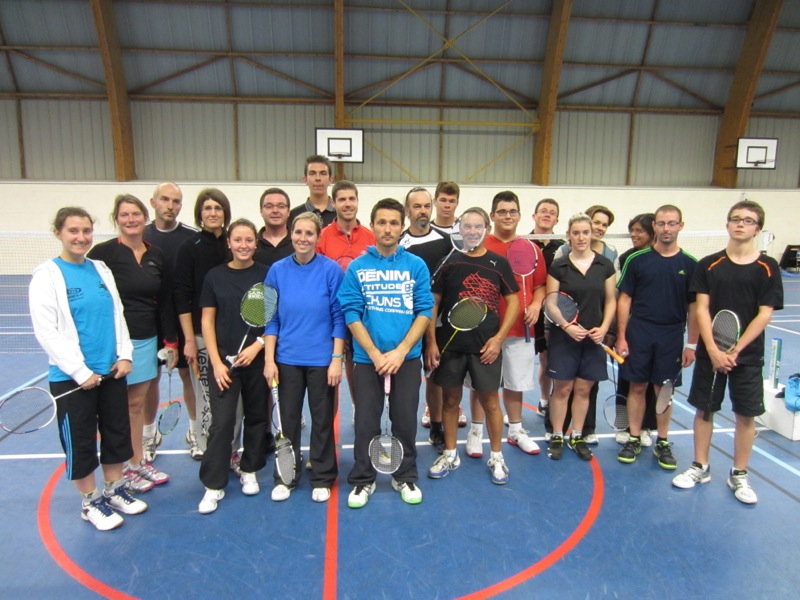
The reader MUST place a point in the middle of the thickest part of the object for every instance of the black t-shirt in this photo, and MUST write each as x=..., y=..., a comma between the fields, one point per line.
x=328, y=215
x=144, y=288
x=431, y=248
x=196, y=257
x=267, y=254
x=548, y=248
x=487, y=277
x=588, y=290
x=741, y=289
x=224, y=289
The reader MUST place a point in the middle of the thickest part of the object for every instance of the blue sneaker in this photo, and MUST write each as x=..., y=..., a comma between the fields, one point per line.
x=498, y=471
x=443, y=465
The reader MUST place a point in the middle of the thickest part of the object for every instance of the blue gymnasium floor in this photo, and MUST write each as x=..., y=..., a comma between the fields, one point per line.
x=579, y=530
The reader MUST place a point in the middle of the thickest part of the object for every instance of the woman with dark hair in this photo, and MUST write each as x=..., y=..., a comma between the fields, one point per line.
x=196, y=257
x=86, y=340
x=140, y=275
x=224, y=333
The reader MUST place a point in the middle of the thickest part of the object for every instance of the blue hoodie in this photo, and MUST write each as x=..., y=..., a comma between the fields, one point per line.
x=386, y=294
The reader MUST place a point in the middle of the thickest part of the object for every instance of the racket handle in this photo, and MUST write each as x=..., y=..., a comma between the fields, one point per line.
x=527, y=334
x=613, y=354
x=387, y=384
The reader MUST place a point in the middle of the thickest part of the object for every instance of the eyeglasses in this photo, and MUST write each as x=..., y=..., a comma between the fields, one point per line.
x=745, y=220
x=667, y=223
x=507, y=213
x=275, y=206
x=544, y=211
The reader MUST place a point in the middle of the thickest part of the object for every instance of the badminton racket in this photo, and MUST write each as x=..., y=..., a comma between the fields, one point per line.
x=523, y=257
x=615, y=411
x=464, y=237
x=385, y=450
x=30, y=409
x=284, y=453
x=561, y=310
x=169, y=417
x=664, y=397
x=465, y=315
x=257, y=309
x=725, y=330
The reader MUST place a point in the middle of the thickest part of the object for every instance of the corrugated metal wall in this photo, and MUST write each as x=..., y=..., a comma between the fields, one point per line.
x=590, y=149
x=9, y=157
x=787, y=165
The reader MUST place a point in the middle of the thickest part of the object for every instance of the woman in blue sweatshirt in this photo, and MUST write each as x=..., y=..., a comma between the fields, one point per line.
x=304, y=351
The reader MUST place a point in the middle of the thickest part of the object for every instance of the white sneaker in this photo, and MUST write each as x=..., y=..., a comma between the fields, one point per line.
x=236, y=461
x=691, y=476
x=194, y=447
x=591, y=439
x=100, y=514
x=150, y=446
x=505, y=420
x=474, y=444
x=210, y=500
x=498, y=470
x=149, y=472
x=359, y=497
x=135, y=482
x=281, y=492
x=442, y=466
x=322, y=494
x=462, y=418
x=120, y=500
x=409, y=492
x=548, y=435
x=646, y=438
x=622, y=437
x=302, y=421
x=741, y=488
x=249, y=484
x=521, y=439
x=426, y=417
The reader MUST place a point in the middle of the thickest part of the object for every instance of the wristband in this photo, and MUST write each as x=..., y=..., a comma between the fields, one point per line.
x=260, y=340
x=337, y=356
x=173, y=345
x=691, y=346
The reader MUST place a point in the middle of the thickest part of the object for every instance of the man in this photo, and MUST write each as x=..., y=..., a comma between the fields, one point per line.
x=274, y=241
x=446, y=202
x=167, y=233
x=386, y=299
x=432, y=245
x=652, y=310
x=742, y=280
x=318, y=176
x=519, y=356
x=485, y=276
x=545, y=219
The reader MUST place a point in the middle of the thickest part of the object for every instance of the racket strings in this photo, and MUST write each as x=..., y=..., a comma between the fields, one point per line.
x=169, y=418
x=467, y=314
x=30, y=408
x=559, y=305
x=386, y=453
x=725, y=332
x=522, y=257
x=284, y=460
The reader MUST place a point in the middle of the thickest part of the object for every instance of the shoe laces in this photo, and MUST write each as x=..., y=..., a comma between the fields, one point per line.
x=122, y=492
x=101, y=505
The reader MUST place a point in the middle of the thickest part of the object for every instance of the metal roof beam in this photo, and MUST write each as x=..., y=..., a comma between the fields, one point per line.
x=118, y=103
x=743, y=89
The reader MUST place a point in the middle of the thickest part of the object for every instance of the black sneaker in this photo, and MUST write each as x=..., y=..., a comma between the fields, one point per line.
x=580, y=447
x=541, y=409
x=663, y=452
x=555, y=448
x=630, y=450
x=436, y=439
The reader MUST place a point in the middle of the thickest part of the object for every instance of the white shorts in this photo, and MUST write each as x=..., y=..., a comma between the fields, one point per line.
x=519, y=364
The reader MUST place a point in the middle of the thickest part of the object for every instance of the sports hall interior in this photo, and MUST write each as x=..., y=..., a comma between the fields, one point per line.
x=630, y=104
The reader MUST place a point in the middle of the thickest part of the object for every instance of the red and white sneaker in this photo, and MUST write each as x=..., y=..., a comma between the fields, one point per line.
x=462, y=418
x=426, y=417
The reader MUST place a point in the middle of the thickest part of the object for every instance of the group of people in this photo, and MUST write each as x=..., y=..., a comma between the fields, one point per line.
x=373, y=302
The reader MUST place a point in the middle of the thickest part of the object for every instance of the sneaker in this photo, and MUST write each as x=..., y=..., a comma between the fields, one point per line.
x=359, y=497
x=302, y=421
x=691, y=476
x=426, y=417
x=149, y=472
x=135, y=482
x=249, y=484
x=498, y=471
x=194, y=448
x=443, y=465
x=236, y=463
x=548, y=435
x=436, y=439
x=100, y=514
x=663, y=452
x=541, y=410
x=591, y=439
x=462, y=418
x=474, y=444
x=579, y=446
x=622, y=437
x=629, y=451
x=210, y=500
x=647, y=438
x=320, y=494
x=120, y=500
x=521, y=439
x=505, y=420
x=150, y=445
x=281, y=492
x=738, y=482
x=555, y=448
x=409, y=492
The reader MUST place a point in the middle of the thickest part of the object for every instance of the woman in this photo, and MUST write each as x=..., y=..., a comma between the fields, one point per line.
x=224, y=332
x=138, y=270
x=86, y=339
x=305, y=350
x=196, y=257
x=642, y=235
x=576, y=361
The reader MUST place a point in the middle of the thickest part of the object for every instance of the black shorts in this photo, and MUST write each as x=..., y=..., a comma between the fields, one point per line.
x=568, y=359
x=745, y=388
x=654, y=354
x=539, y=334
x=454, y=366
x=85, y=412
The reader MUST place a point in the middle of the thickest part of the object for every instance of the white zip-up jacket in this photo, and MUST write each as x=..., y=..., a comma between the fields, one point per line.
x=54, y=326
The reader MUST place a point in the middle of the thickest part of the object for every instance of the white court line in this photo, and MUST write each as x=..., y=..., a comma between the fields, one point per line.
x=784, y=329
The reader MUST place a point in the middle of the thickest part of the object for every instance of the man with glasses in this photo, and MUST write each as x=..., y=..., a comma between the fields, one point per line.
x=653, y=307
x=742, y=280
x=274, y=241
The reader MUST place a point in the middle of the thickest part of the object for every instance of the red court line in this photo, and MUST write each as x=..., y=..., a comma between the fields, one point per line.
x=57, y=552
x=331, y=565
x=561, y=551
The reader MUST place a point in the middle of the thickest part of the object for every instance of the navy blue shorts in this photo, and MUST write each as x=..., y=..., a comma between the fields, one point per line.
x=568, y=359
x=654, y=352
